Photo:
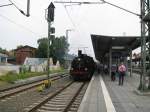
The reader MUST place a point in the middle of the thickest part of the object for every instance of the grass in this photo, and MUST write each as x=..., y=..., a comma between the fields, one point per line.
x=2, y=83
x=11, y=77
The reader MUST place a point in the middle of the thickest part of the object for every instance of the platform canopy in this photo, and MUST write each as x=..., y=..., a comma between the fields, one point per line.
x=119, y=44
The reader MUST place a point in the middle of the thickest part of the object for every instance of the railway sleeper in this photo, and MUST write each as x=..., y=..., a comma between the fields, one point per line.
x=39, y=110
x=54, y=105
x=57, y=103
x=51, y=108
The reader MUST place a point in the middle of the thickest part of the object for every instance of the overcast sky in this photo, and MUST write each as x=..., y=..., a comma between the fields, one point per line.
x=16, y=29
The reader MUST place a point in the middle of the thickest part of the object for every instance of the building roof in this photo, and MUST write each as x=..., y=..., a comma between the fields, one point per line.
x=102, y=44
x=26, y=46
x=3, y=55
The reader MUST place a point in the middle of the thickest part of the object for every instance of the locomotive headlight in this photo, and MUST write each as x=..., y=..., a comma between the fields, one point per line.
x=79, y=59
x=85, y=69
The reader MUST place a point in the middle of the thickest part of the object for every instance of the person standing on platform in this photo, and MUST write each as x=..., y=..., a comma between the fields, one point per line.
x=121, y=70
x=105, y=69
x=113, y=72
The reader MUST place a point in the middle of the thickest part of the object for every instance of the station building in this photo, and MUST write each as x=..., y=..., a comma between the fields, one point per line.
x=23, y=52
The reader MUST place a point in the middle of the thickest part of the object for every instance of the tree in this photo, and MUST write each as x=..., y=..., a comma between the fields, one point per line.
x=3, y=50
x=58, y=48
x=42, y=48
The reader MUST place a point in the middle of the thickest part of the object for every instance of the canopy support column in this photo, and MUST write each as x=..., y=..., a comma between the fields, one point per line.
x=110, y=60
x=130, y=62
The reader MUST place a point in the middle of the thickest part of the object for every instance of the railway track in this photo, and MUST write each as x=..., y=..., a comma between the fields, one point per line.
x=66, y=99
x=15, y=90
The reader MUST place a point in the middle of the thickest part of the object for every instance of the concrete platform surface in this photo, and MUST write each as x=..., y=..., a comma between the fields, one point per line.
x=94, y=100
x=104, y=95
x=124, y=98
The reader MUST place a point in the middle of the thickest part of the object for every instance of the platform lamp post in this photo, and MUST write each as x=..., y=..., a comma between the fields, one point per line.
x=50, y=19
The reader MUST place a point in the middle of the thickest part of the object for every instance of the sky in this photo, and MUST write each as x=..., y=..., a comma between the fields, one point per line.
x=101, y=19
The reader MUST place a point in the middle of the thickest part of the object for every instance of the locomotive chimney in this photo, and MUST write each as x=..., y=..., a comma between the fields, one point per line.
x=79, y=52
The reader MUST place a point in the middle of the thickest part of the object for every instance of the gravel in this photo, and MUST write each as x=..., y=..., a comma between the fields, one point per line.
x=18, y=102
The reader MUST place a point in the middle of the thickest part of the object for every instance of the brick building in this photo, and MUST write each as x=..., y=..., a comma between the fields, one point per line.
x=23, y=52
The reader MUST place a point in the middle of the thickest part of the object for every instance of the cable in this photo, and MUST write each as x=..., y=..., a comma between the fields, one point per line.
x=19, y=25
x=71, y=20
x=18, y=8
x=101, y=2
x=69, y=16
x=79, y=3
x=6, y=5
x=75, y=26
x=121, y=8
x=15, y=5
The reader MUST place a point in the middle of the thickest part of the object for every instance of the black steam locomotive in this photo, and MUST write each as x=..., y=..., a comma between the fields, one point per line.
x=82, y=67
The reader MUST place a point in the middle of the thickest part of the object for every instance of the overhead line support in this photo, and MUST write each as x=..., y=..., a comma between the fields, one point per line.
x=28, y=8
x=6, y=5
x=101, y=2
x=78, y=2
x=121, y=8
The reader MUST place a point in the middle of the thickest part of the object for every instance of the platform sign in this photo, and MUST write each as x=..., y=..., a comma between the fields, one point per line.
x=119, y=54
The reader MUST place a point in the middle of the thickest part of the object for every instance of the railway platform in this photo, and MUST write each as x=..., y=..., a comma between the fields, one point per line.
x=103, y=95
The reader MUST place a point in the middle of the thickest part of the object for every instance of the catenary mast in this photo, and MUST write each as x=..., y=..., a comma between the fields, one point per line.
x=145, y=35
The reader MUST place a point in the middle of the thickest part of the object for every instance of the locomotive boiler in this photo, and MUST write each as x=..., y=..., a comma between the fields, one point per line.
x=82, y=67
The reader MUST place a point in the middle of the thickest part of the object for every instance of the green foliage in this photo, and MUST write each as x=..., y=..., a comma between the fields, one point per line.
x=58, y=70
x=3, y=50
x=42, y=48
x=11, y=76
x=58, y=48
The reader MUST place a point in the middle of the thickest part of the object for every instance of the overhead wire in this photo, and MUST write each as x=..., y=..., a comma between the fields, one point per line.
x=100, y=2
x=17, y=7
x=69, y=16
x=120, y=8
x=19, y=25
x=6, y=5
x=83, y=46
x=74, y=25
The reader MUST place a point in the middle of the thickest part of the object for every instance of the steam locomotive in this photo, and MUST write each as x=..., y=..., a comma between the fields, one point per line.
x=82, y=67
